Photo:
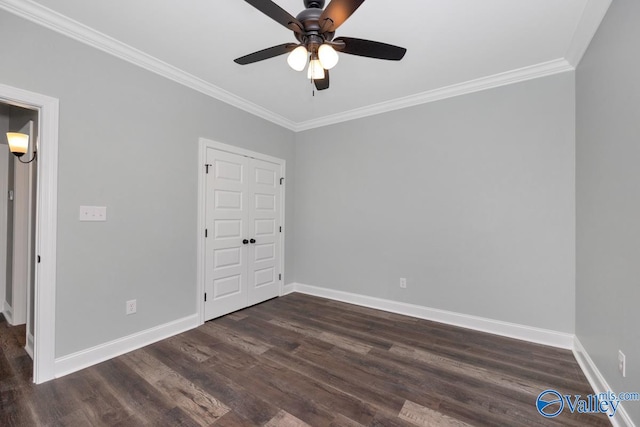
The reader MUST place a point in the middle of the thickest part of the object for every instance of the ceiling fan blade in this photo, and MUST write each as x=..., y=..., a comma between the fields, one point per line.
x=278, y=14
x=323, y=84
x=371, y=49
x=267, y=53
x=336, y=13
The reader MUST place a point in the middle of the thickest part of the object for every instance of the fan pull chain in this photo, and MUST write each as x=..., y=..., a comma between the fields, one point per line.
x=313, y=88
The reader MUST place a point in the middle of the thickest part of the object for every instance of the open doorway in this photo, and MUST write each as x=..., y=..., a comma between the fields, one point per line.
x=18, y=204
x=36, y=114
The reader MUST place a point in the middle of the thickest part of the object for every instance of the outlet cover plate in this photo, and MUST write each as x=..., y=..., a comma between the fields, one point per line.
x=622, y=363
x=131, y=307
x=93, y=213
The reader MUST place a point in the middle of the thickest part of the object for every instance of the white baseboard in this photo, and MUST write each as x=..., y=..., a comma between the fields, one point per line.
x=91, y=356
x=29, y=346
x=289, y=288
x=497, y=327
x=7, y=311
x=599, y=384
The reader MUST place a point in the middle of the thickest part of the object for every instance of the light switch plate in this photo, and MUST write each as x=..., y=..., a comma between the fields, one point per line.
x=93, y=213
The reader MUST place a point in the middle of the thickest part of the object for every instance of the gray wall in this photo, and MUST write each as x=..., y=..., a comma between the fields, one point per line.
x=608, y=206
x=471, y=199
x=128, y=141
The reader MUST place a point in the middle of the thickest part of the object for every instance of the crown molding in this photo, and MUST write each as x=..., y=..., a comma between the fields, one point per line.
x=590, y=20
x=484, y=83
x=55, y=21
x=592, y=16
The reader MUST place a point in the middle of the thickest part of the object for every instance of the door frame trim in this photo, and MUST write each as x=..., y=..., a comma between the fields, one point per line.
x=46, y=225
x=204, y=144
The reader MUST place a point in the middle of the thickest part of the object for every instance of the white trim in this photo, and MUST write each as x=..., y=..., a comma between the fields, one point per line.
x=22, y=232
x=41, y=15
x=288, y=289
x=204, y=144
x=209, y=143
x=29, y=345
x=94, y=355
x=4, y=205
x=283, y=190
x=55, y=21
x=598, y=383
x=46, y=226
x=201, y=224
x=497, y=327
x=592, y=16
x=31, y=240
x=7, y=311
x=484, y=83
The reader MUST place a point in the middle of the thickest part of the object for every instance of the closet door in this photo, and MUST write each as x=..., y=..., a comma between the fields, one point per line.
x=264, y=223
x=242, y=243
x=227, y=216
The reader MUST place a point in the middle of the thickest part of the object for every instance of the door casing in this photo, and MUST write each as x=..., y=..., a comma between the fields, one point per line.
x=46, y=226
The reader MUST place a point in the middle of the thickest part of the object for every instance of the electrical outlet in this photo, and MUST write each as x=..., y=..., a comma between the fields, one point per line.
x=403, y=283
x=622, y=363
x=131, y=306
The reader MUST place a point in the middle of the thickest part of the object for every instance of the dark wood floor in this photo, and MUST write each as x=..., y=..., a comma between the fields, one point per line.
x=297, y=361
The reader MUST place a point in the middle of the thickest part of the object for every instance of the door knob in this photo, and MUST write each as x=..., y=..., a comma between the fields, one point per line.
x=245, y=241
x=252, y=240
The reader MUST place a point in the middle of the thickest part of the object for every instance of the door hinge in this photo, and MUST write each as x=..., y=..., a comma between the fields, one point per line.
x=281, y=180
x=38, y=259
x=279, y=276
x=206, y=233
x=281, y=229
x=205, y=297
x=207, y=167
x=11, y=195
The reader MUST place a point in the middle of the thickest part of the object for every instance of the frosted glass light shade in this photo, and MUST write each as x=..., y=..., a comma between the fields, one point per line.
x=18, y=143
x=315, y=72
x=297, y=59
x=328, y=56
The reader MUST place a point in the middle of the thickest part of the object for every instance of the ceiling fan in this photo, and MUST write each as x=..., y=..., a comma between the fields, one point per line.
x=314, y=28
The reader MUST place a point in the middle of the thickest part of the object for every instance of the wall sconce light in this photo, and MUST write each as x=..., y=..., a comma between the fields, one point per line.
x=19, y=145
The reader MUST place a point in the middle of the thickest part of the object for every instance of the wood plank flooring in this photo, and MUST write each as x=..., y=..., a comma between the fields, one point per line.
x=301, y=361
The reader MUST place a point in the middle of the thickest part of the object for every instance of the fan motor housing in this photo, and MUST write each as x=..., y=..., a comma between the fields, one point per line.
x=314, y=3
x=309, y=18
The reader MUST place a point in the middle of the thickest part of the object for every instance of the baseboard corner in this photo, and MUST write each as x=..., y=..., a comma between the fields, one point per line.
x=598, y=382
x=83, y=359
x=288, y=288
x=7, y=312
x=29, y=345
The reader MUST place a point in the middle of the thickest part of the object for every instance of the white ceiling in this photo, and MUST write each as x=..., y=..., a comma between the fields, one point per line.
x=453, y=46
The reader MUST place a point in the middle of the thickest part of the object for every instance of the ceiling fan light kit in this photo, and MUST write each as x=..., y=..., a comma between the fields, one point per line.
x=315, y=71
x=297, y=59
x=328, y=56
x=314, y=28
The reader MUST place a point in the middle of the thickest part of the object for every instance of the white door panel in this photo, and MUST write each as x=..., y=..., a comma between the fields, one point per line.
x=226, y=216
x=264, y=227
x=242, y=204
